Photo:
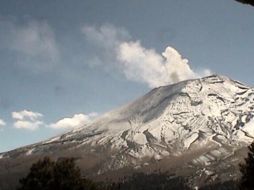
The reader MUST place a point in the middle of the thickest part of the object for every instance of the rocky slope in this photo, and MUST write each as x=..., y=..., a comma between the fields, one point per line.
x=197, y=128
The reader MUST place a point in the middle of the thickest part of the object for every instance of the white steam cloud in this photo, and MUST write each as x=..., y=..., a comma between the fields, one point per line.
x=135, y=61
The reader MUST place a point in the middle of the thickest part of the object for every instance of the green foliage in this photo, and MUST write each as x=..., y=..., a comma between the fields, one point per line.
x=60, y=175
x=247, y=170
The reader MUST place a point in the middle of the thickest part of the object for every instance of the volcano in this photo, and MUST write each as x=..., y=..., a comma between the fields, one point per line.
x=197, y=128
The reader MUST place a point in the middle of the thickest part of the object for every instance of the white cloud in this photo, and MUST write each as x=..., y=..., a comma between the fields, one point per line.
x=137, y=62
x=33, y=42
x=26, y=124
x=78, y=120
x=27, y=120
x=2, y=123
x=33, y=120
x=35, y=39
x=26, y=114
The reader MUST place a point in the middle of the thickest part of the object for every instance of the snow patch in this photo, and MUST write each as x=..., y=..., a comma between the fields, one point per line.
x=29, y=152
x=140, y=138
x=53, y=139
x=190, y=140
x=249, y=128
x=157, y=157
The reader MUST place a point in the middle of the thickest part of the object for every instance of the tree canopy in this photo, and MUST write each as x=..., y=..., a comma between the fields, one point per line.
x=62, y=174
x=247, y=170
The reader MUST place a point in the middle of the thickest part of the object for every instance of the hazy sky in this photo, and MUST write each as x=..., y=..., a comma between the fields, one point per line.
x=65, y=62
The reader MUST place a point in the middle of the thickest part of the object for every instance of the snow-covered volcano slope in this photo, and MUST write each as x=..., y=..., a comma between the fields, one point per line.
x=175, y=118
x=211, y=117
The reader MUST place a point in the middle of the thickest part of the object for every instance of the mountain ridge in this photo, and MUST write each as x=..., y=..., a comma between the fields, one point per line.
x=201, y=124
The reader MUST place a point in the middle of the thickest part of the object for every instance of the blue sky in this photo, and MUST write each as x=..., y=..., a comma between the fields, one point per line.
x=65, y=62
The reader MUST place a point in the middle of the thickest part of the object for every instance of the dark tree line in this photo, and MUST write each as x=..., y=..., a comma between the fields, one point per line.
x=247, y=170
x=250, y=2
x=153, y=181
x=60, y=175
x=63, y=174
x=227, y=185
